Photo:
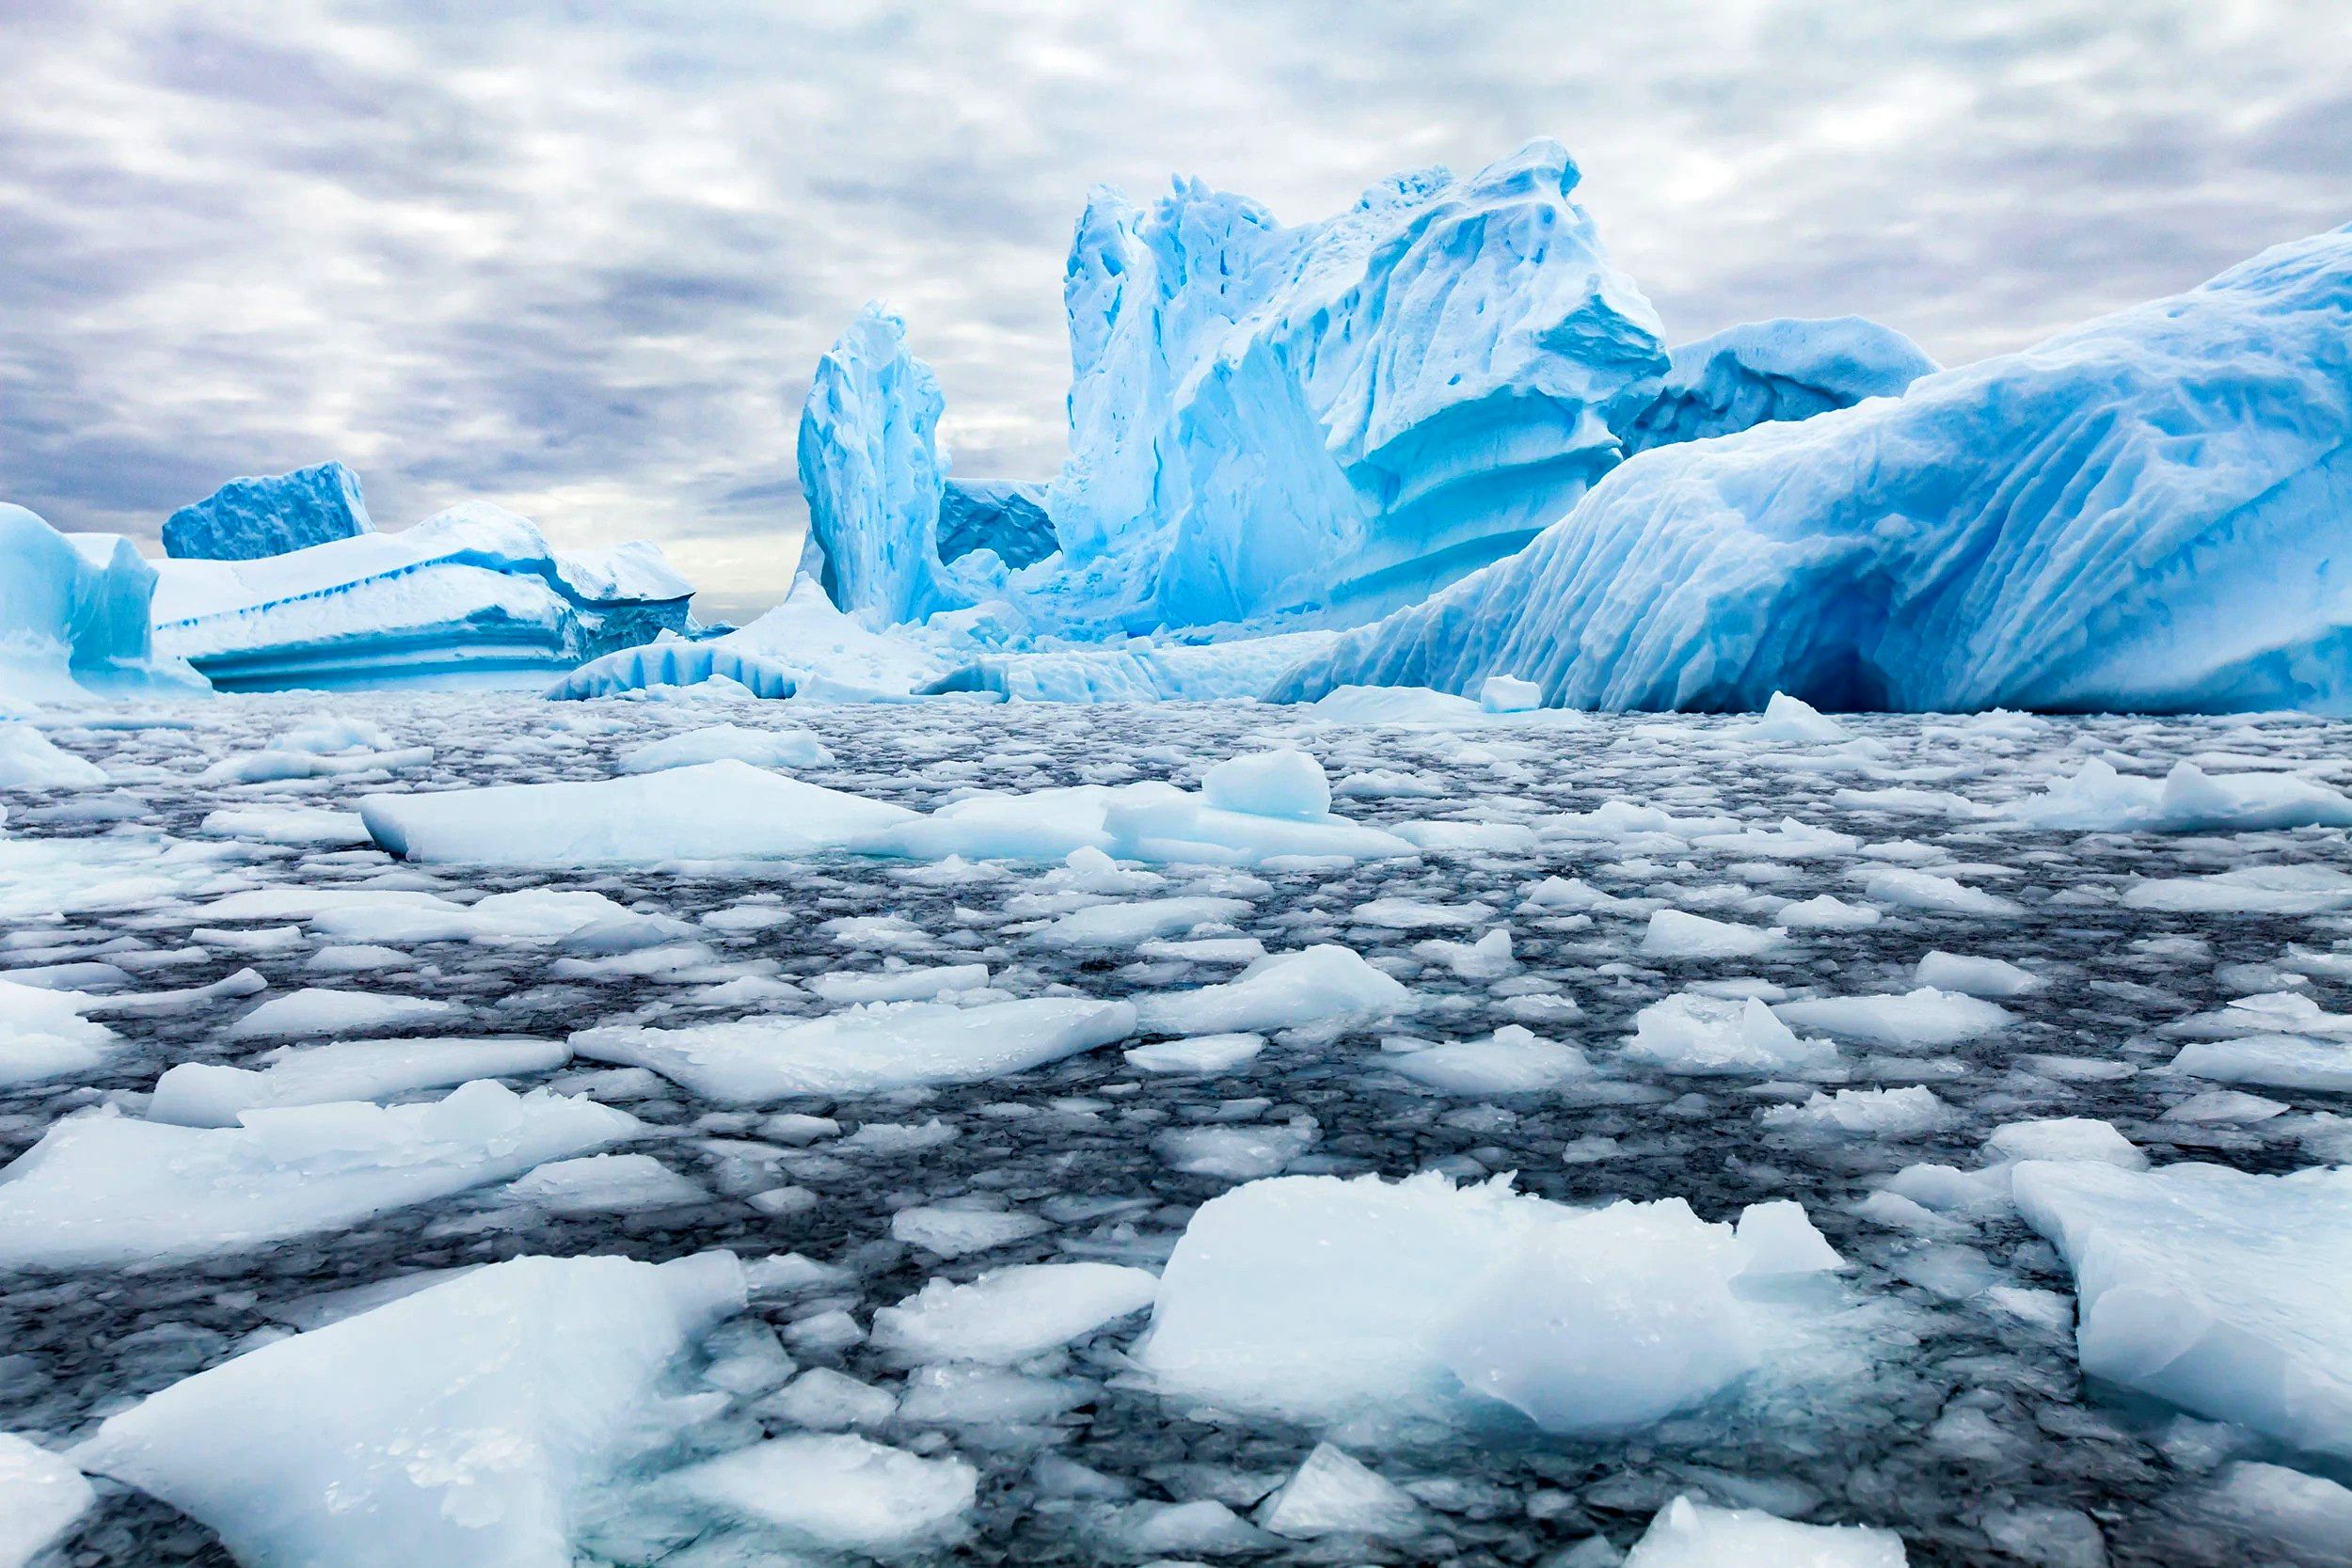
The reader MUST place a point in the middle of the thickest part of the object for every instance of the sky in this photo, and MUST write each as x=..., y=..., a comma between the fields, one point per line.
x=580, y=259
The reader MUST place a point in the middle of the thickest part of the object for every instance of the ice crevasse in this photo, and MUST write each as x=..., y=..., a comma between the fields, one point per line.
x=2144, y=513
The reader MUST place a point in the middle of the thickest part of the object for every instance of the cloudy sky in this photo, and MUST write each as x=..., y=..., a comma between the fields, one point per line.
x=579, y=257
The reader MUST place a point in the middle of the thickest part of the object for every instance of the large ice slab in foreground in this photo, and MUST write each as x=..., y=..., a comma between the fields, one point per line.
x=724, y=810
x=1317, y=1298
x=74, y=616
x=2144, y=513
x=249, y=518
x=103, y=1190
x=2213, y=1290
x=472, y=594
x=459, y=1427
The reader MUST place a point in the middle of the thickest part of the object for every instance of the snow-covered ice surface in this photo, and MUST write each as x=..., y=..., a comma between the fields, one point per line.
x=1952, y=1014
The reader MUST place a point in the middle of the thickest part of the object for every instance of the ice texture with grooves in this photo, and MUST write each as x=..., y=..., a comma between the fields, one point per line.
x=249, y=518
x=2144, y=513
x=1791, y=368
x=994, y=514
x=1344, y=415
x=871, y=468
x=73, y=614
x=471, y=594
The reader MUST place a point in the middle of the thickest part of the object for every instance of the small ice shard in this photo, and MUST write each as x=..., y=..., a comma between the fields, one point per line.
x=1331, y=1494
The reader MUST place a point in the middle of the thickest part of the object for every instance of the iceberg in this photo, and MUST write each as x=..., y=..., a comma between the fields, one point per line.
x=467, y=1425
x=249, y=518
x=74, y=616
x=2141, y=514
x=1761, y=372
x=472, y=595
x=1002, y=517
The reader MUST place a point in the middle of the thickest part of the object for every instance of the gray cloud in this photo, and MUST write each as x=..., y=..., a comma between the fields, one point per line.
x=581, y=260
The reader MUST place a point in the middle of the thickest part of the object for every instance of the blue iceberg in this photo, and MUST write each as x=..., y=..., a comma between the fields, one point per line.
x=247, y=519
x=1787, y=368
x=1002, y=516
x=472, y=595
x=74, y=616
x=2146, y=512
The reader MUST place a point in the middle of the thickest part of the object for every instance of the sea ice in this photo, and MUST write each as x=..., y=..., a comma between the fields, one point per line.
x=40, y=1495
x=1693, y=1535
x=727, y=743
x=1699, y=1035
x=1327, y=984
x=835, y=1492
x=462, y=1425
x=1011, y=1314
x=206, y=1094
x=1924, y=1017
x=44, y=1035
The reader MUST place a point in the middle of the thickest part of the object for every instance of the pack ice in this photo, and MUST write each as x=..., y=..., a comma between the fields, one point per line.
x=1429, y=1299
x=2137, y=514
x=463, y=1426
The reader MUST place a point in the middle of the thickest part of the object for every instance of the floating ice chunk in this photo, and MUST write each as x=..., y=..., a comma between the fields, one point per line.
x=458, y=1427
x=1203, y=1528
x=1509, y=694
x=1693, y=1535
x=1924, y=890
x=1992, y=978
x=1331, y=1494
x=2224, y=1107
x=1425, y=1297
x=1327, y=984
x=954, y=1232
x=1677, y=934
x=1269, y=784
x=957, y=1395
x=201, y=1094
x=864, y=1049
x=1241, y=1153
x=2273, y=1061
x=1151, y=822
x=826, y=1400
x=709, y=810
x=272, y=767
x=1395, y=705
x=103, y=1190
x=41, y=1497
x=1419, y=914
x=2269, y=1502
x=1779, y=1239
x=1009, y=1315
x=1790, y=721
x=1126, y=924
x=318, y=1011
x=1701, y=1036
x=836, y=1492
x=1905, y=1113
x=605, y=1184
x=1199, y=1053
x=2097, y=798
x=913, y=984
x=1569, y=892
x=727, y=743
x=307, y=826
x=44, y=1035
x=2212, y=1289
x=1512, y=1060
x=2277, y=890
x=2065, y=1138
x=30, y=760
x=1823, y=912
x=74, y=616
x=1488, y=958
x=1925, y=1016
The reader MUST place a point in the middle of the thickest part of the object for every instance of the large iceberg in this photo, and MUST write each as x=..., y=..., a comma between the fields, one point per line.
x=470, y=595
x=249, y=518
x=2141, y=513
x=73, y=615
x=1789, y=369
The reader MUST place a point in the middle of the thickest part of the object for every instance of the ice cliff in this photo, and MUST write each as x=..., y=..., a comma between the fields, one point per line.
x=249, y=518
x=470, y=595
x=73, y=615
x=2144, y=513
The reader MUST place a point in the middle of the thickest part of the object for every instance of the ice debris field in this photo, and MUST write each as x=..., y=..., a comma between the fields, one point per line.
x=1473, y=938
x=1188, y=1132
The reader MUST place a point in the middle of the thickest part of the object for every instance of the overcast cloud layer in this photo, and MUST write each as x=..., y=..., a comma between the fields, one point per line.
x=580, y=260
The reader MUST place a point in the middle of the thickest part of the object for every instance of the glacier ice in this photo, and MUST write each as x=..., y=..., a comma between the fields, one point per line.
x=74, y=616
x=463, y=1426
x=2139, y=514
x=1428, y=1298
x=1761, y=371
x=472, y=594
x=1005, y=518
x=2213, y=1290
x=249, y=518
